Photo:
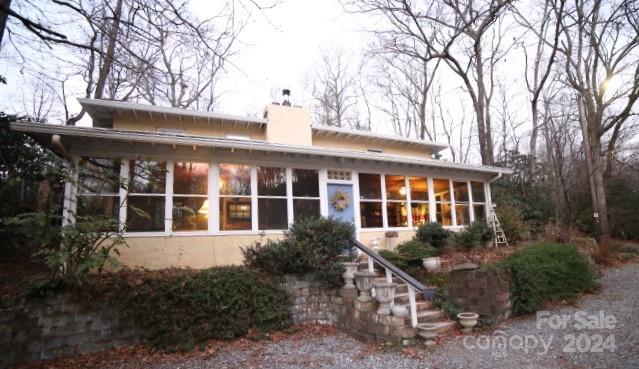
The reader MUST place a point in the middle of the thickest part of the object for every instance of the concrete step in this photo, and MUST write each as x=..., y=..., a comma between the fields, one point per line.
x=423, y=305
x=444, y=326
x=428, y=316
x=402, y=298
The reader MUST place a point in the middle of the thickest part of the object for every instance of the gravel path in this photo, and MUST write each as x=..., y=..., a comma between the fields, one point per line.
x=620, y=298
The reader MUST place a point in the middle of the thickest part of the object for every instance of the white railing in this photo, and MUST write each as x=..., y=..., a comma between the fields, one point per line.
x=414, y=286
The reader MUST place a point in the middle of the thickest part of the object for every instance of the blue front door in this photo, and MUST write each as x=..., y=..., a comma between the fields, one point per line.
x=347, y=214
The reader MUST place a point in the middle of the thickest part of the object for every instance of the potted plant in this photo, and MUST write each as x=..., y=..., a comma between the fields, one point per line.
x=428, y=331
x=400, y=311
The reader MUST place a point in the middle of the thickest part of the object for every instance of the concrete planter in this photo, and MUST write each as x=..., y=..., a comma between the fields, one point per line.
x=428, y=331
x=364, y=281
x=349, y=274
x=384, y=294
x=431, y=264
x=400, y=311
x=468, y=321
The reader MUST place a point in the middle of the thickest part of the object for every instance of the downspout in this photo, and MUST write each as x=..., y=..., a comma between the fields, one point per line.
x=56, y=140
x=490, y=192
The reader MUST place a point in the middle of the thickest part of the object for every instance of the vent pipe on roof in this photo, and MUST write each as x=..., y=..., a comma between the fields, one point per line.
x=286, y=96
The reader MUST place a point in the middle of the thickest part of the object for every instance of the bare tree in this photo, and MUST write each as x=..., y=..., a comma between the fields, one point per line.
x=461, y=33
x=335, y=91
x=546, y=30
x=600, y=44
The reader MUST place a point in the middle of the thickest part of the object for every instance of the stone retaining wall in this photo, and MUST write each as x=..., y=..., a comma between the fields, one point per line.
x=341, y=309
x=59, y=326
x=486, y=293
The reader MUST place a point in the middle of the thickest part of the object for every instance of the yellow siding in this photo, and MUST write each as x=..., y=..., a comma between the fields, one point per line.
x=199, y=128
x=366, y=237
x=185, y=251
x=361, y=145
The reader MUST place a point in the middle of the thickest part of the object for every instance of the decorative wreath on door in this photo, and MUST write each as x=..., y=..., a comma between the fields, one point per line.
x=340, y=200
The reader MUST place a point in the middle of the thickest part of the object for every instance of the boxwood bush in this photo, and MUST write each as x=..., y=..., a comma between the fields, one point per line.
x=408, y=257
x=433, y=234
x=178, y=310
x=312, y=246
x=475, y=235
x=546, y=272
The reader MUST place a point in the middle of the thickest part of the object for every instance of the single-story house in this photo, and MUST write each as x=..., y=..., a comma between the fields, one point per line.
x=198, y=186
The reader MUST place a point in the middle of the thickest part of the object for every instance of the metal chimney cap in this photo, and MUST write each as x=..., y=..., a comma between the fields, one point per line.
x=286, y=92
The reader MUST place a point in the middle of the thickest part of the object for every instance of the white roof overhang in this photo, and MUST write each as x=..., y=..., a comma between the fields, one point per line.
x=74, y=135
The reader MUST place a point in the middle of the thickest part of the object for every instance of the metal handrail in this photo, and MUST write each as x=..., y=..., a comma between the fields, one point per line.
x=411, y=283
x=390, y=266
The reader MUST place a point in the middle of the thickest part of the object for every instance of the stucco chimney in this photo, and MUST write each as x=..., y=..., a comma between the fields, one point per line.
x=288, y=124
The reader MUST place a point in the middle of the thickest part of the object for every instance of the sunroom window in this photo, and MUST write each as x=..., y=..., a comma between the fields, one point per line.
x=479, y=200
x=235, y=197
x=441, y=188
x=147, y=196
x=419, y=198
x=460, y=189
x=306, y=200
x=396, y=213
x=98, y=189
x=271, y=192
x=190, y=200
x=370, y=204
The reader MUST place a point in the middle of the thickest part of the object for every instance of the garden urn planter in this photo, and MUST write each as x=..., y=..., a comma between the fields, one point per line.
x=364, y=281
x=428, y=331
x=400, y=311
x=349, y=274
x=431, y=264
x=384, y=294
x=467, y=321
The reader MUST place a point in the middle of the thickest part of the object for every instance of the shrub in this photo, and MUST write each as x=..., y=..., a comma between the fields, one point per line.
x=546, y=272
x=408, y=257
x=476, y=234
x=512, y=221
x=312, y=245
x=433, y=234
x=178, y=311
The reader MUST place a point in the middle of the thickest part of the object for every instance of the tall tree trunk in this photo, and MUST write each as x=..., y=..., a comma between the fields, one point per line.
x=4, y=4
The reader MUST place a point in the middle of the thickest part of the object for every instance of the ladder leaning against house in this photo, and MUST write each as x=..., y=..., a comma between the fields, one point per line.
x=498, y=231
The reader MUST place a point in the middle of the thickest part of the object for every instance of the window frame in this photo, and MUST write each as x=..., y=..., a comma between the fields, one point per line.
x=381, y=200
x=395, y=201
x=168, y=199
x=252, y=197
x=72, y=215
x=318, y=198
x=275, y=197
x=197, y=196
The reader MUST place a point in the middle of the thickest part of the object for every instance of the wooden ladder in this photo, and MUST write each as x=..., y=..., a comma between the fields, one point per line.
x=500, y=236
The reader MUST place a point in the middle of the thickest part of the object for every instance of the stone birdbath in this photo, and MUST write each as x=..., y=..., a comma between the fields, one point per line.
x=384, y=294
x=349, y=274
x=364, y=281
x=467, y=321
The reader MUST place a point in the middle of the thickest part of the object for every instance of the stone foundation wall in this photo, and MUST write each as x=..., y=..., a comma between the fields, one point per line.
x=59, y=326
x=341, y=309
x=486, y=293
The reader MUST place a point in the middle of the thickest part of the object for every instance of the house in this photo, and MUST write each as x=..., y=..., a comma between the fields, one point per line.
x=201, y=185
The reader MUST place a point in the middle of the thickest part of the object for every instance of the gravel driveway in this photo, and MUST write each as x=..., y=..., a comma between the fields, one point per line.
x=619, y=298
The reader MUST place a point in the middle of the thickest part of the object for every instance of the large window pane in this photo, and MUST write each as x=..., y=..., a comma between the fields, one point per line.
x=190, y=178
x=395, y=187
x=371, y=214
x=305, y=183
x=461, y=191
x=442, y=189
x=370, y=186
x=271, y=181
x=480, y=212
x=418, y=188
x=190, y=213
x=235, y=213
x=235, y=179
x=145, y=214
x=98, y=175
x=462, y=214
x=397, y=215
x=147, y=176
x=478, y=191
x=105, y=206
x=444, y=214
x=272, y=213
x=420, y=213
x=306, y=209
